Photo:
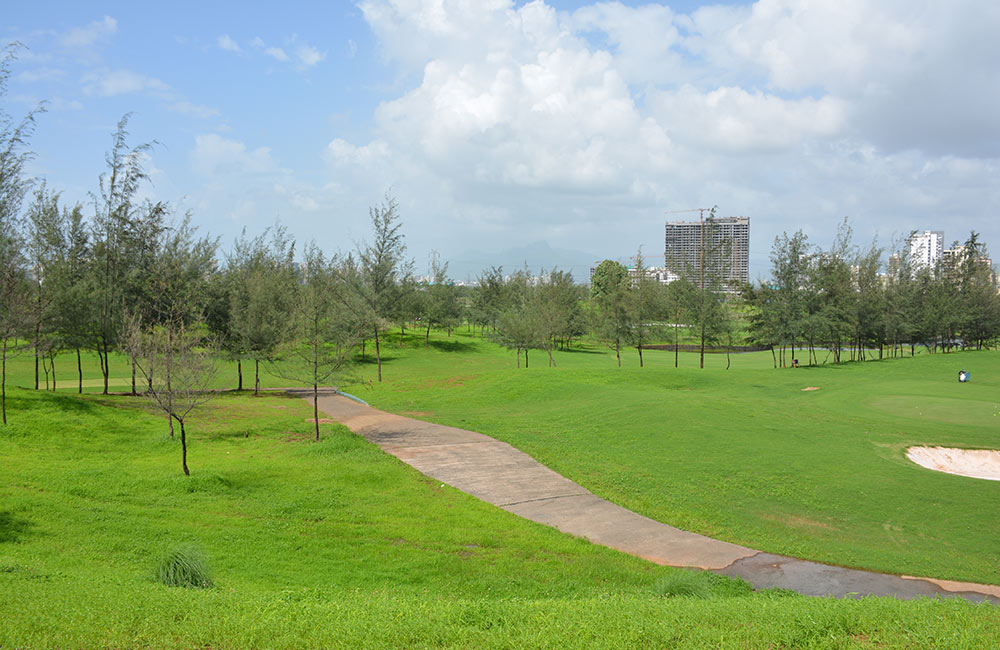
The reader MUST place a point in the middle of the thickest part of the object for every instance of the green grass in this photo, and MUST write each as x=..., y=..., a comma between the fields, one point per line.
x=336, y=544
x=744, y=455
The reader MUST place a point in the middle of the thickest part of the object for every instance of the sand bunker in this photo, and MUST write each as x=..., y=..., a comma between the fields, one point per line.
x=811, y=388
x=974, y=463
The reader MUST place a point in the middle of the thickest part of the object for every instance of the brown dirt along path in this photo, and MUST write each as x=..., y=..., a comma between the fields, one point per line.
x=499, y=474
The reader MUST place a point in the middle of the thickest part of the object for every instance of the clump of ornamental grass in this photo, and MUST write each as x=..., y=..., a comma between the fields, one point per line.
x=684, y=583
x=185, y=566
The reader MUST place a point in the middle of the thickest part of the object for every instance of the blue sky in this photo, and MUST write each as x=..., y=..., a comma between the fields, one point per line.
x=502, y=128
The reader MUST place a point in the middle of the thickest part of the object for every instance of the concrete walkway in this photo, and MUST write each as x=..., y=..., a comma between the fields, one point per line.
x=500, y=474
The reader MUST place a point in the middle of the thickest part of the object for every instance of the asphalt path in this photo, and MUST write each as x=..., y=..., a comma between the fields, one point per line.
x=499, y=474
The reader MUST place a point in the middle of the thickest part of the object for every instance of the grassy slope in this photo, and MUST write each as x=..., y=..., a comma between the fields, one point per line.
x=744, y=455
x=338, y=545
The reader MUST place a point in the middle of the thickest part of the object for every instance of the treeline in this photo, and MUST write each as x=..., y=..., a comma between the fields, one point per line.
x=846, y=303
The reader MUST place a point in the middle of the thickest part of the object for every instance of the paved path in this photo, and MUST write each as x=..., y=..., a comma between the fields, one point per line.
x=500, y=474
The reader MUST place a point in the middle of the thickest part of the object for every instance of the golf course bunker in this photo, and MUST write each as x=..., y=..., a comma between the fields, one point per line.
x=974, y=463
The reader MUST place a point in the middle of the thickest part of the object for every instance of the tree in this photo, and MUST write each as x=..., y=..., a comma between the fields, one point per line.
x=381, y=264
x=179, y=363
x=439, y=304
x=262, y=294
x=680, y=299
x=514, y=329
x=44, y=245
x=489, y=298
x=324, y=333
x=14, y=306
x=115, y=216
x=789, y=264
x=71, y=301
x=647, y=304
x=14, y=302
x=613, y=318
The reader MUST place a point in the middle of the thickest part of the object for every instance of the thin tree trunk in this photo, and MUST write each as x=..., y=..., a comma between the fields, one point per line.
x=525, y=357
x=52, y=366
x=427, y=338
x=256, y=377
x=676, y=341
x=618, y=353
x=79, y=372
x=36, y=356
x=102, y=352
x=316, y=406
x=702, y=361
x=239, y=373
x=184, y=449
x=378, y=355
x=3, y=382
x=774, y=359
x=639, y=348
x=134, y=392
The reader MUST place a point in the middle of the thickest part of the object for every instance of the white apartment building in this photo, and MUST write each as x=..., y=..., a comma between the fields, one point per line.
x=926, y=249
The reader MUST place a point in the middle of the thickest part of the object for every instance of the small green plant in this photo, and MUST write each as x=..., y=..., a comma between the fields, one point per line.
x=185, y=566
x=692, y=584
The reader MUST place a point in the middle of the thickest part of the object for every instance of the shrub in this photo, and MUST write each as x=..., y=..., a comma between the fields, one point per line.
x=185, y=566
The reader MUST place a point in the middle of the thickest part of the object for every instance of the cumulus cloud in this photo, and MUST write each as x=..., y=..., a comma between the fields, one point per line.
x=308, y=55
x=528, y=115
x=225, y=42
x=195, y=110
x=107, y=83
x=88, y=35
x=303, y=54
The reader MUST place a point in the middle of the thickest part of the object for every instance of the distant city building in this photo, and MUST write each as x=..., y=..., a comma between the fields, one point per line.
x=956, y=256
x=722, y=244
x=926, y=249
x=660, y=274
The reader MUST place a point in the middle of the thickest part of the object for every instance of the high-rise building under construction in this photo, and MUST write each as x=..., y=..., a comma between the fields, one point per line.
x=722, y=244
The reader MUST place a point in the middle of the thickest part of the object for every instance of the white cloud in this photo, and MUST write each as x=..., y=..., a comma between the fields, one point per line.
x=84, y=37
x=308, y=55
x=538, y=119
x=107, y=82
x=196, y=110
x=41, y=75
x=276, y=53
x=225, y=42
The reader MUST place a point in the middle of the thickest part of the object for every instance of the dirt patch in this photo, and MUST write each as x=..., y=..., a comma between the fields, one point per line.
x=810, y=388
x=974, y=463
x=321, y=420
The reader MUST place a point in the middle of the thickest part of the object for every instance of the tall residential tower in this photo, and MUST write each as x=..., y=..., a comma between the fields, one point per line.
x=722, y=244
x=926, y=248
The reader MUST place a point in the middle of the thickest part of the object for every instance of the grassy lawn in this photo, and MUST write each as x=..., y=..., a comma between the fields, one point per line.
x=744, y=455
x=336, y=544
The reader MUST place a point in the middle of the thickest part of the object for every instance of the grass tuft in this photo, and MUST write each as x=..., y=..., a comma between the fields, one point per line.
x=185, y=566
x=684, y=583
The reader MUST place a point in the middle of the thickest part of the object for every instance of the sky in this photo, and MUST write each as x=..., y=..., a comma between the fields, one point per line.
x=550, y=133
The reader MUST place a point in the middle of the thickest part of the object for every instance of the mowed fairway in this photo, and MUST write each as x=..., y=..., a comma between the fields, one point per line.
x=745, y=455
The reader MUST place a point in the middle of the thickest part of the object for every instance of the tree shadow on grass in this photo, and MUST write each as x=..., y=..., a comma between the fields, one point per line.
x=581, y=351
x=453, y=346
x=12, y=527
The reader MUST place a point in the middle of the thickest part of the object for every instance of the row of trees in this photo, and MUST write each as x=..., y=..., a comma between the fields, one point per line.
x=840, y=301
